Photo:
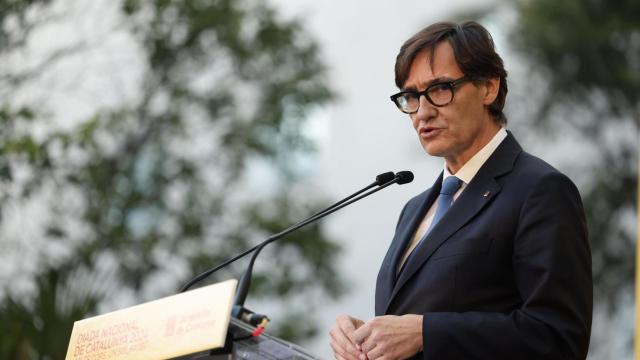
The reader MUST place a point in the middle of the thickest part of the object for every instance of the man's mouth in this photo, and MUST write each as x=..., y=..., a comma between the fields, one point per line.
x=429, y=132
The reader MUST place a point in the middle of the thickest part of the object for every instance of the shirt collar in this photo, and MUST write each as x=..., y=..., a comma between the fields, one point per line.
x=471, y=167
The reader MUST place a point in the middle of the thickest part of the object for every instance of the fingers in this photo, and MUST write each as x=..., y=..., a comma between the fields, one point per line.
x=362, y=333
x=357, y=322
x=368, y=345
x=346, y=324
x=342, y=338
x=342, y=354
x=349, y=325
x=390, y=337
x=341, y=341
x=375, y=353
x=339, y=357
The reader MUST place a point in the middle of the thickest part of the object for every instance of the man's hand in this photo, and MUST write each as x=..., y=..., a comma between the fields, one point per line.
x=342, y=339
x=390, y=337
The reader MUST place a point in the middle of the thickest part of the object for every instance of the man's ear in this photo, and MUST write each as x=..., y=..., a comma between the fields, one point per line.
x=492, y=86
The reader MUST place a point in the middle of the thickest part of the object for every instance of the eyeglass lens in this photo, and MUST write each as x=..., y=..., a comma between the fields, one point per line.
x=439, y=94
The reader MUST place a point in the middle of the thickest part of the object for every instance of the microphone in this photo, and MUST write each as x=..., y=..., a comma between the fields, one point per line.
x=381, y=179
x=404, y=177
x=384, y=177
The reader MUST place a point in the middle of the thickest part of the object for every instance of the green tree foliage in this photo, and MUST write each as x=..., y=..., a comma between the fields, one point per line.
x=589, y=53
x=141, y=196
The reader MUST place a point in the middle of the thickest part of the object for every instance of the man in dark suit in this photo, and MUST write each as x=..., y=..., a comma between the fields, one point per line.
x=493, y=261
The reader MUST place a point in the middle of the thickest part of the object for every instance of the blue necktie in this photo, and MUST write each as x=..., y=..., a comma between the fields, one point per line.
x=449, y=187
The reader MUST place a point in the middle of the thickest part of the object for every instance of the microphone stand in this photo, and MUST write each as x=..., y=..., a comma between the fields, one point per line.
x=380, y=180
x=239, y=311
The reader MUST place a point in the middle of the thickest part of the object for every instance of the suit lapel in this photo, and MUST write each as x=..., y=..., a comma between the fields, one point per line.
x=409, y=232
x=388, y=271
x=482, y=189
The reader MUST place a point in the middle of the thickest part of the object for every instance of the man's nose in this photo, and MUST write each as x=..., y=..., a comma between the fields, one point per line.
x=426, y=110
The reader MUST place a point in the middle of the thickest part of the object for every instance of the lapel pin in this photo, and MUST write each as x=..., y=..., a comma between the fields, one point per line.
x=486, y=194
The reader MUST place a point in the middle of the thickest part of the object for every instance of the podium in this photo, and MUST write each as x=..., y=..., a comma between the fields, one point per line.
x=242, y=346
x=193, y=325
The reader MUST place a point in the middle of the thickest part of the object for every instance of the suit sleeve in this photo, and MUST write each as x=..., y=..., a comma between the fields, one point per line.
x=552, y=269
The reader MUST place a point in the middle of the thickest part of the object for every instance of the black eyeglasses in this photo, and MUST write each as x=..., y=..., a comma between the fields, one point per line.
x=438, y=94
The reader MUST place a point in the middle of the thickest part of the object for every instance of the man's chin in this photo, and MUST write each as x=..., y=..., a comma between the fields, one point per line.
x=433, y=150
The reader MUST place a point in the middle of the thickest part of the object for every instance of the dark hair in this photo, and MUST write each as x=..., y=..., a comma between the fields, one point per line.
x=473, y=50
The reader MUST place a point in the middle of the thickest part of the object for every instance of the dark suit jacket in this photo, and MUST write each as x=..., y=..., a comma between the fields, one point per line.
x=505, y=274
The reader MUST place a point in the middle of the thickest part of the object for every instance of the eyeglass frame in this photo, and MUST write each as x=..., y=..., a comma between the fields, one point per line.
x=451, y=84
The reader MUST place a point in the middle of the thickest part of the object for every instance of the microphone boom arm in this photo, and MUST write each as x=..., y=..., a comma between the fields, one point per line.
x=381, y=179
x=245, y=280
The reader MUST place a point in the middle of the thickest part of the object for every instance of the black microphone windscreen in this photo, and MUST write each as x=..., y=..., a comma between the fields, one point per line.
x=404, y=177
x=385, y=178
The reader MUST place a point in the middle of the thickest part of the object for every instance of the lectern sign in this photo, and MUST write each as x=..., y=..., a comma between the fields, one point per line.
x=176, y=325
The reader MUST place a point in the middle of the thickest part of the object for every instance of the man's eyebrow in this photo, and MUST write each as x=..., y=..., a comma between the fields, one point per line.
x=442, y=79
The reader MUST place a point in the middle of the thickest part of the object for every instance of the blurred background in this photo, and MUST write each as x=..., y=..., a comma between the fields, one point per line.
x=143, y=141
